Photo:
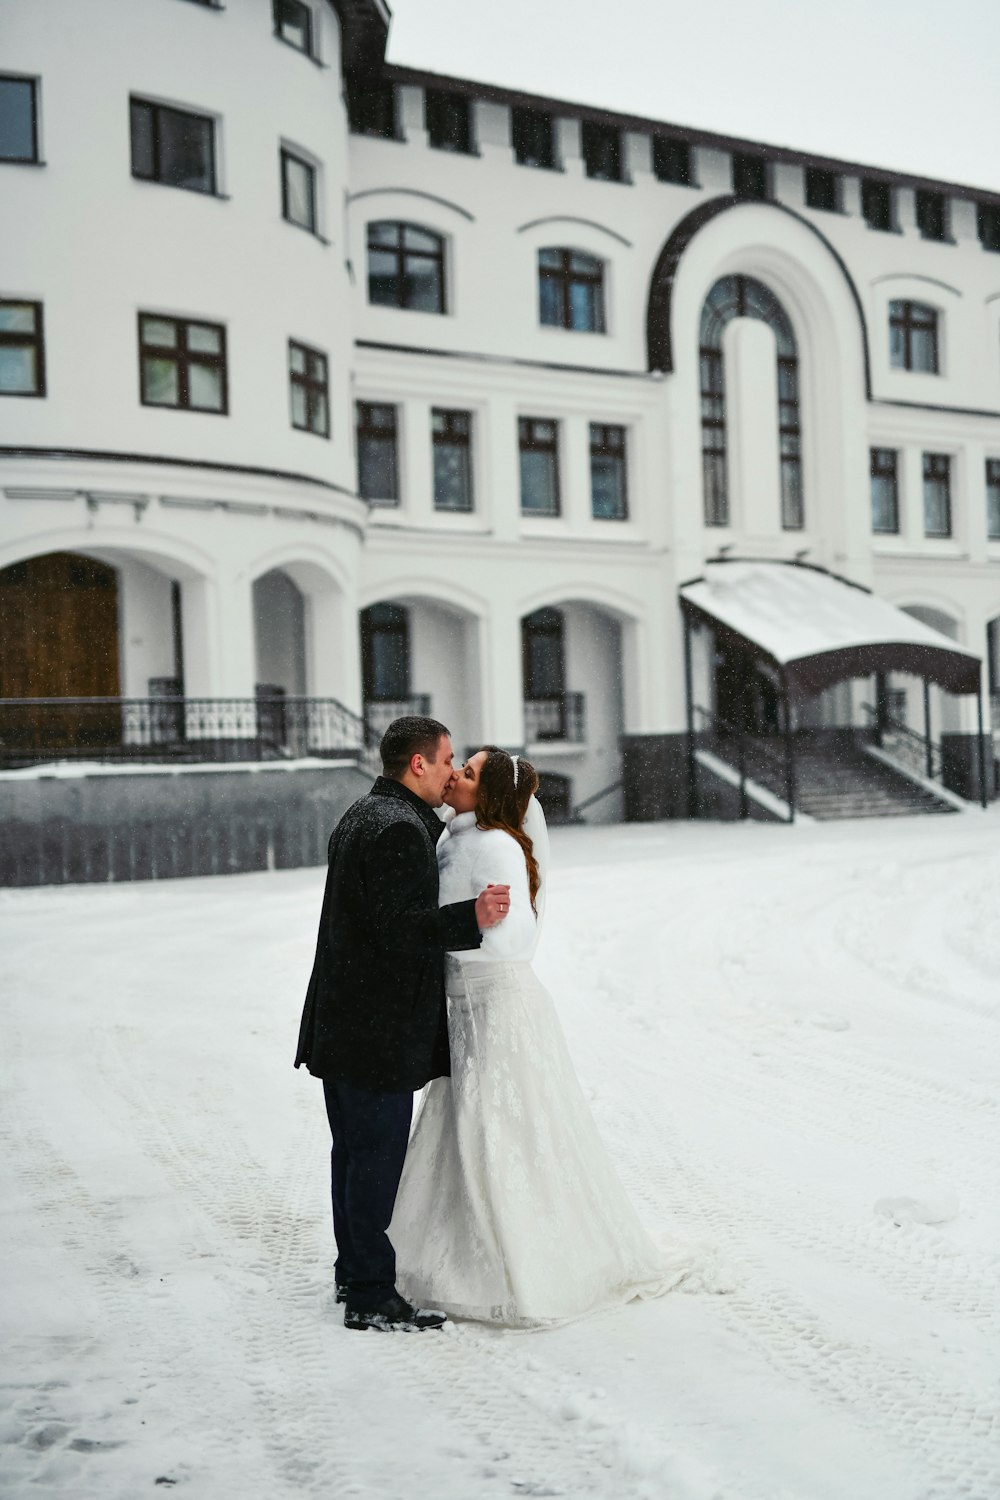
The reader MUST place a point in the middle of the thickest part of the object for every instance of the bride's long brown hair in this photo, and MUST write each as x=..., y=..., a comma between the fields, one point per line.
x=501, y=804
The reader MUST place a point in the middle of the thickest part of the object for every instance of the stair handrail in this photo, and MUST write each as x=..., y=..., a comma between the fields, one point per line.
x=774, y=777
x=606, y=791
x=913, y=750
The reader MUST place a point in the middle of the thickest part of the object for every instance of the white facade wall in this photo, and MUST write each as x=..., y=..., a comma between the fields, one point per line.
x=218, y=502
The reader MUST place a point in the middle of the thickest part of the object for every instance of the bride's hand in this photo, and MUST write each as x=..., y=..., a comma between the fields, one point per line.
x=492, y=905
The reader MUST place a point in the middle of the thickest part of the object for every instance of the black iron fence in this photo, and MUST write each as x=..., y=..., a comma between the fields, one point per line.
x=766, y=760
x=271, y=726
x=561, y=717
x=917, y=753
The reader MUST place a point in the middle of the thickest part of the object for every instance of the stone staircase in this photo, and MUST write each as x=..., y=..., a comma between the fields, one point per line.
x=836, y=778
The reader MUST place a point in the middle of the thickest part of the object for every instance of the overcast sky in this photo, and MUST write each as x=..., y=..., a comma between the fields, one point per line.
x=907, y=84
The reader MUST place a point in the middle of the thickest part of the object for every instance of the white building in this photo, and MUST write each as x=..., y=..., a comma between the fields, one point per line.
x=416, y=386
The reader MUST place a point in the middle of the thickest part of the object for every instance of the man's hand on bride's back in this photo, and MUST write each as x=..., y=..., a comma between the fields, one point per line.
x=492, y=905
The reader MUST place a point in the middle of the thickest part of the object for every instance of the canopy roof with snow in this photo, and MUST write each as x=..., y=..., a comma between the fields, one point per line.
x=819, y=629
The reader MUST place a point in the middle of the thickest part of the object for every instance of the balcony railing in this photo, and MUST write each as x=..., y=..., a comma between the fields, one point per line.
x=175, y=729
x=559, y=719
x=380, y=712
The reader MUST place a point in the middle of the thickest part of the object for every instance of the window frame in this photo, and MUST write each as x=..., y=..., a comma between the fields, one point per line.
x=36, y=341
x=528, y=441
x=660, y=146
x=813, y=178
x=602, y=445
x=33, y=82
x=157, y=108
x=941, y=461
x=546, y=623
x=988, y=227
x=451, y=436
x=290, y=154
x=366, y=429
x=992, y=477
x=184, y=357
x=743, y=162
x=436, y=104
x=520, y=116
x=309, y=50
x=396, y=623
x=871, y=191
x=311, y=386
x=358, y=98
x=595, y=136
x=401, y=251
x=883, y=464
x=908, y=323
x=565, y=278
x=931, y=210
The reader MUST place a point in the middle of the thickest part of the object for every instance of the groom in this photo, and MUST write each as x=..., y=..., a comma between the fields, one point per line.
x=374, y=1027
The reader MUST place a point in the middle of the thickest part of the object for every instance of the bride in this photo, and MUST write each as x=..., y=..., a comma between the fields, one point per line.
x=509, y=1210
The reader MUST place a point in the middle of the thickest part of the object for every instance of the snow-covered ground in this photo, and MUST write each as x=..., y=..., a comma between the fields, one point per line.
x=790, y=1040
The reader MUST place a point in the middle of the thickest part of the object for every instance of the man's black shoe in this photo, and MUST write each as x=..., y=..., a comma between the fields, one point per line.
x=394, y=1315
x=340, y=1295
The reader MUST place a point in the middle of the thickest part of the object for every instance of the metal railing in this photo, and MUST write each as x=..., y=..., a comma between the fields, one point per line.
x=560, y=718
x=380, y=712
x=754, y=757
x=175, y=729
x=914, y=752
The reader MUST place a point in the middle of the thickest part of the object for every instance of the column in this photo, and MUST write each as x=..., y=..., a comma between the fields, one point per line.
x=500, y=674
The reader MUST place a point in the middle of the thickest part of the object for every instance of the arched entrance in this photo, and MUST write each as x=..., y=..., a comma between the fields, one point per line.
x=59, y=640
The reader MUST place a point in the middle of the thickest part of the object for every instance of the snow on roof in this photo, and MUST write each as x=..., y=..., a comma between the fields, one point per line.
x=822, y=629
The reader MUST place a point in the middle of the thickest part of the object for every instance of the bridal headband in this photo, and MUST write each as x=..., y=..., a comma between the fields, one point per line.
x=513, y=761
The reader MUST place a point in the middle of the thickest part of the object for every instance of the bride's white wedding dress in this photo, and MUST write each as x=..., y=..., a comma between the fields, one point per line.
x=509, y=1209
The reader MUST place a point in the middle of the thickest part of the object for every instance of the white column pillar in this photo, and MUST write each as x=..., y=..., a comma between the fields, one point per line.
x=217, y=622
x=333, y=652
x=500, y=674
x=418, y=484
x=498, y=472
x=574, y=472
x=910, y=481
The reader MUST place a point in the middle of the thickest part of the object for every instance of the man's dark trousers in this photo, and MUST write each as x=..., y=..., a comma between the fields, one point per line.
x=370, y=1130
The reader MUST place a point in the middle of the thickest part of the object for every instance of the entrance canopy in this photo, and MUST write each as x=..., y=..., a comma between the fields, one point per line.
x=818, y=629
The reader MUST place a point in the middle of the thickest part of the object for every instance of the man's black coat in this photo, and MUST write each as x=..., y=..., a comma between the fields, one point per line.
x=375, y=1008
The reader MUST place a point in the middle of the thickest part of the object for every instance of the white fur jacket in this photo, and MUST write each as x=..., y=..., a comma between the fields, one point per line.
x=470, y=859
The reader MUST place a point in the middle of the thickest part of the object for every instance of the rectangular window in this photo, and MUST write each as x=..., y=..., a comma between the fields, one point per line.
x=713, y=438
x=533, y=134
x=750, y=178
x=293, y=23
x=538, y=439
x=937, y=494
x=173, y=147
x=932, y=215
x=876, y=205
x=602, y=151
x=447, y=117
x=451, y=433
x=884, y=491
x=182, y=364
x=298, y=191
x=608, y=484
x=988, y=222
x=822, y=189
x=672, y=160
x=993, y=499
x=571, y=290
x=913, y=337
x=309, y=390
x=22, y=349
x=18, y=119
x=378, y=471
x=371, y=110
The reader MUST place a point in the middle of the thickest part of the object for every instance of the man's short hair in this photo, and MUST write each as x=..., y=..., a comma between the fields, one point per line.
x=414, y=735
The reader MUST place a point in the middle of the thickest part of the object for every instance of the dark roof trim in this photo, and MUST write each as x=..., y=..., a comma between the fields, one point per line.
x=502, y=359
x=364, y=30
x=499, y=94
x=659, y=337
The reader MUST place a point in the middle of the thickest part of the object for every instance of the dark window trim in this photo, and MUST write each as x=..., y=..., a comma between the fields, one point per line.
x=927, y=203
x=34, y=160
x=992, y=477
x=665, y=139
x=549, y=621
x=184, y=357
x=20, y=340
x=435, y=99
x=529, y=442
x=362, y=429
x=454, y=437
x=619, y=142
x=883, y=463
x=400, y=250
x=157, y=107
x=354, y=90
x=871, y=186
x=565, y=277
x=909, y=321
x=312, y=385
x=395, y=622
x=552, y=164
x=942, y=463
x=288, y=154
x=988, y=227
x=606, y=447
x=752, y=159
x=837, y=207
x=309, y=50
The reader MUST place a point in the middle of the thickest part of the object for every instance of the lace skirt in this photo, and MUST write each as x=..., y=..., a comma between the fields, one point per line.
x=509, y=1210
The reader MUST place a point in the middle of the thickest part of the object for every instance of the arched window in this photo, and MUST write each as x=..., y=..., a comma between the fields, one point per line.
x=571, y=290
x=405, y=267
x=743, y=297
